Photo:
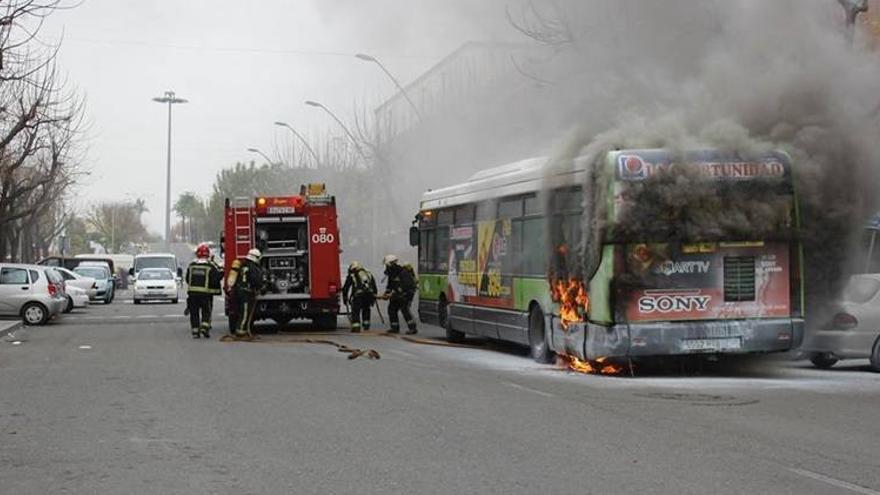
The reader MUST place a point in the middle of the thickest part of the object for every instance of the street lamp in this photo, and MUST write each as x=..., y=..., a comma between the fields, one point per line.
x=170, y=98
x=370, y=58
x=257, y=151
x=344, y=128
x=303, y=140
x=853, y=9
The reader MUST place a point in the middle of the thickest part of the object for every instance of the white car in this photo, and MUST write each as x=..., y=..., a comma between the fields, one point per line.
x=73, y=279
x=76, y=298
x=155, y=284
x=854, y=331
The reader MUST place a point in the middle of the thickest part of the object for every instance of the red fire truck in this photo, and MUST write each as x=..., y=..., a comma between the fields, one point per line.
x=299, y=239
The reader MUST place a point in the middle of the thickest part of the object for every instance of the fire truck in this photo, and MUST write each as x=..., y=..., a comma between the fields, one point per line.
x=299, y=239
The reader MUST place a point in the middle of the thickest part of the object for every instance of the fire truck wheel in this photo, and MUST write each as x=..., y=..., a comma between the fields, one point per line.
x=325, y=322
x=875, y=356
x=823, y=360
x=538, y=342
x=452, y=335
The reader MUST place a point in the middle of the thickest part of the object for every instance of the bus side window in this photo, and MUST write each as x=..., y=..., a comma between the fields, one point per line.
x=445, y=219
x=513, y=263
x=486, y=211
x=533, y=251
x=426, y=250
x=441, y=259
x=532, y=205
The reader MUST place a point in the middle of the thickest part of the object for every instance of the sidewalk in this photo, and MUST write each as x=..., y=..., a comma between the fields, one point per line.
x=8, y=326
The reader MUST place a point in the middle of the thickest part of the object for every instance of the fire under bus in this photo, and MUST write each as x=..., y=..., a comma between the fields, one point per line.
x=691, y=253
x=299, y=239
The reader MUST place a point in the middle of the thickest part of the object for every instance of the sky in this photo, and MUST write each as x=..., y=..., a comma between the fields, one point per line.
x=242, y=66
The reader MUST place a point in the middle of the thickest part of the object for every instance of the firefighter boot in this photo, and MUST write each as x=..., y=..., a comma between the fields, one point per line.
x=412, y=328
x=206, y=330
x=195, y=333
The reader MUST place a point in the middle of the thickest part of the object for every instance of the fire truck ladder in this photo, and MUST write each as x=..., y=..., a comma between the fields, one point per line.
x=242, y=225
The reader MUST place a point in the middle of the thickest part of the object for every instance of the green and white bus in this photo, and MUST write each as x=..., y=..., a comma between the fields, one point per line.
x=640, y=253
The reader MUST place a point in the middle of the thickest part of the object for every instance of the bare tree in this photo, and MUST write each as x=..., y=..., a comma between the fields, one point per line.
x=41, y=123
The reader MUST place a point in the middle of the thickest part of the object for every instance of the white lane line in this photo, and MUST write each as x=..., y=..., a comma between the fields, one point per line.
x=85, y=347
x=834, y=482
x=527, y=389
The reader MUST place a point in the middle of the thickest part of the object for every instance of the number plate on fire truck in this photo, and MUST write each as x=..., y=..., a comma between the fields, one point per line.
x=280, y=210
x=711, y=345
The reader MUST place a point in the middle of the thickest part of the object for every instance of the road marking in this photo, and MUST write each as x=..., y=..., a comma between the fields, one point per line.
x=527, y=389
x=85, y=347
x=834, y=482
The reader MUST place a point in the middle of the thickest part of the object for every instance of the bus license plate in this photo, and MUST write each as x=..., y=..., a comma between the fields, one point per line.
x=704, y=345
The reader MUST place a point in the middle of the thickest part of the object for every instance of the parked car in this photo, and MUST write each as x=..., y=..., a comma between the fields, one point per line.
x=71, y=263
x=106, y=287
x=71, y=278
x=76, y=298
x=155, y=260
x=34, y=293
x=854, y=331
x=155, y=284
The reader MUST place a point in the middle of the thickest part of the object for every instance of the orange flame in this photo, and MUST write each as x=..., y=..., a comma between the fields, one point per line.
x=571, y=295
x=600, y=366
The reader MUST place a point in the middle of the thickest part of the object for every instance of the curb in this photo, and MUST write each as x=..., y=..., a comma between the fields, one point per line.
x=7, y=327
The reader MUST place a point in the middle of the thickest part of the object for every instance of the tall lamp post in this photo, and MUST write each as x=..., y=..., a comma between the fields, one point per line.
x=344, y=128
x=370, y=58
x=257, y=151
x=170, y=98
x=302, y=140
x=373, y=212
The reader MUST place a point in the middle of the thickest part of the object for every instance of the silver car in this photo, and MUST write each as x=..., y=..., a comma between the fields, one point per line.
x=104, y=283
x=34, y=293
x=74, y=280
x=854, y=331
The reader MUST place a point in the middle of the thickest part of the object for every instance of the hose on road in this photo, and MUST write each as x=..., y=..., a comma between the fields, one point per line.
x=353, y=353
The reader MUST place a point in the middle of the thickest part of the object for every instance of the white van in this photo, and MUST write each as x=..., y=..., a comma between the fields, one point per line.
x=155, y=260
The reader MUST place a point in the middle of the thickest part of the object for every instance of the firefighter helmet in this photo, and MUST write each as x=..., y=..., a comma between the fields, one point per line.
x=354, y=266
x=203, y=251
x=254, y=255
x=389, y=259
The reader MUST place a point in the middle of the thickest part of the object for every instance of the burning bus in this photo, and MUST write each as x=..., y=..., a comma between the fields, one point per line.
x=640, y=253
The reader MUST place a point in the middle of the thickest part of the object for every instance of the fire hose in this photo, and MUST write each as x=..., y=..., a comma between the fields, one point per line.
x=353, y=353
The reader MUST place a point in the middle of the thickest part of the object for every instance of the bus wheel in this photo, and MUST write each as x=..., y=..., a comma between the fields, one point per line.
x=538, y=343
x=875, y=356
x=823, y=360
x=452, y=335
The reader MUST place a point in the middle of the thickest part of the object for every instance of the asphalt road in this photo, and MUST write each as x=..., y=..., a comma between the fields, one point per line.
x=119, y=399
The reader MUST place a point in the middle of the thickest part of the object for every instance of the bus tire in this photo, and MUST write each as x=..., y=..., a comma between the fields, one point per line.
x=823, y=360
x=875, y=356
x=452, y=335
x=538, y=342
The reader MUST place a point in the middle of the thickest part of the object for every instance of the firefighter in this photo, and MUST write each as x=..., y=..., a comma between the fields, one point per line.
x=203, y=278
x=245, y=282
x=359, y=293
x=399, y=291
